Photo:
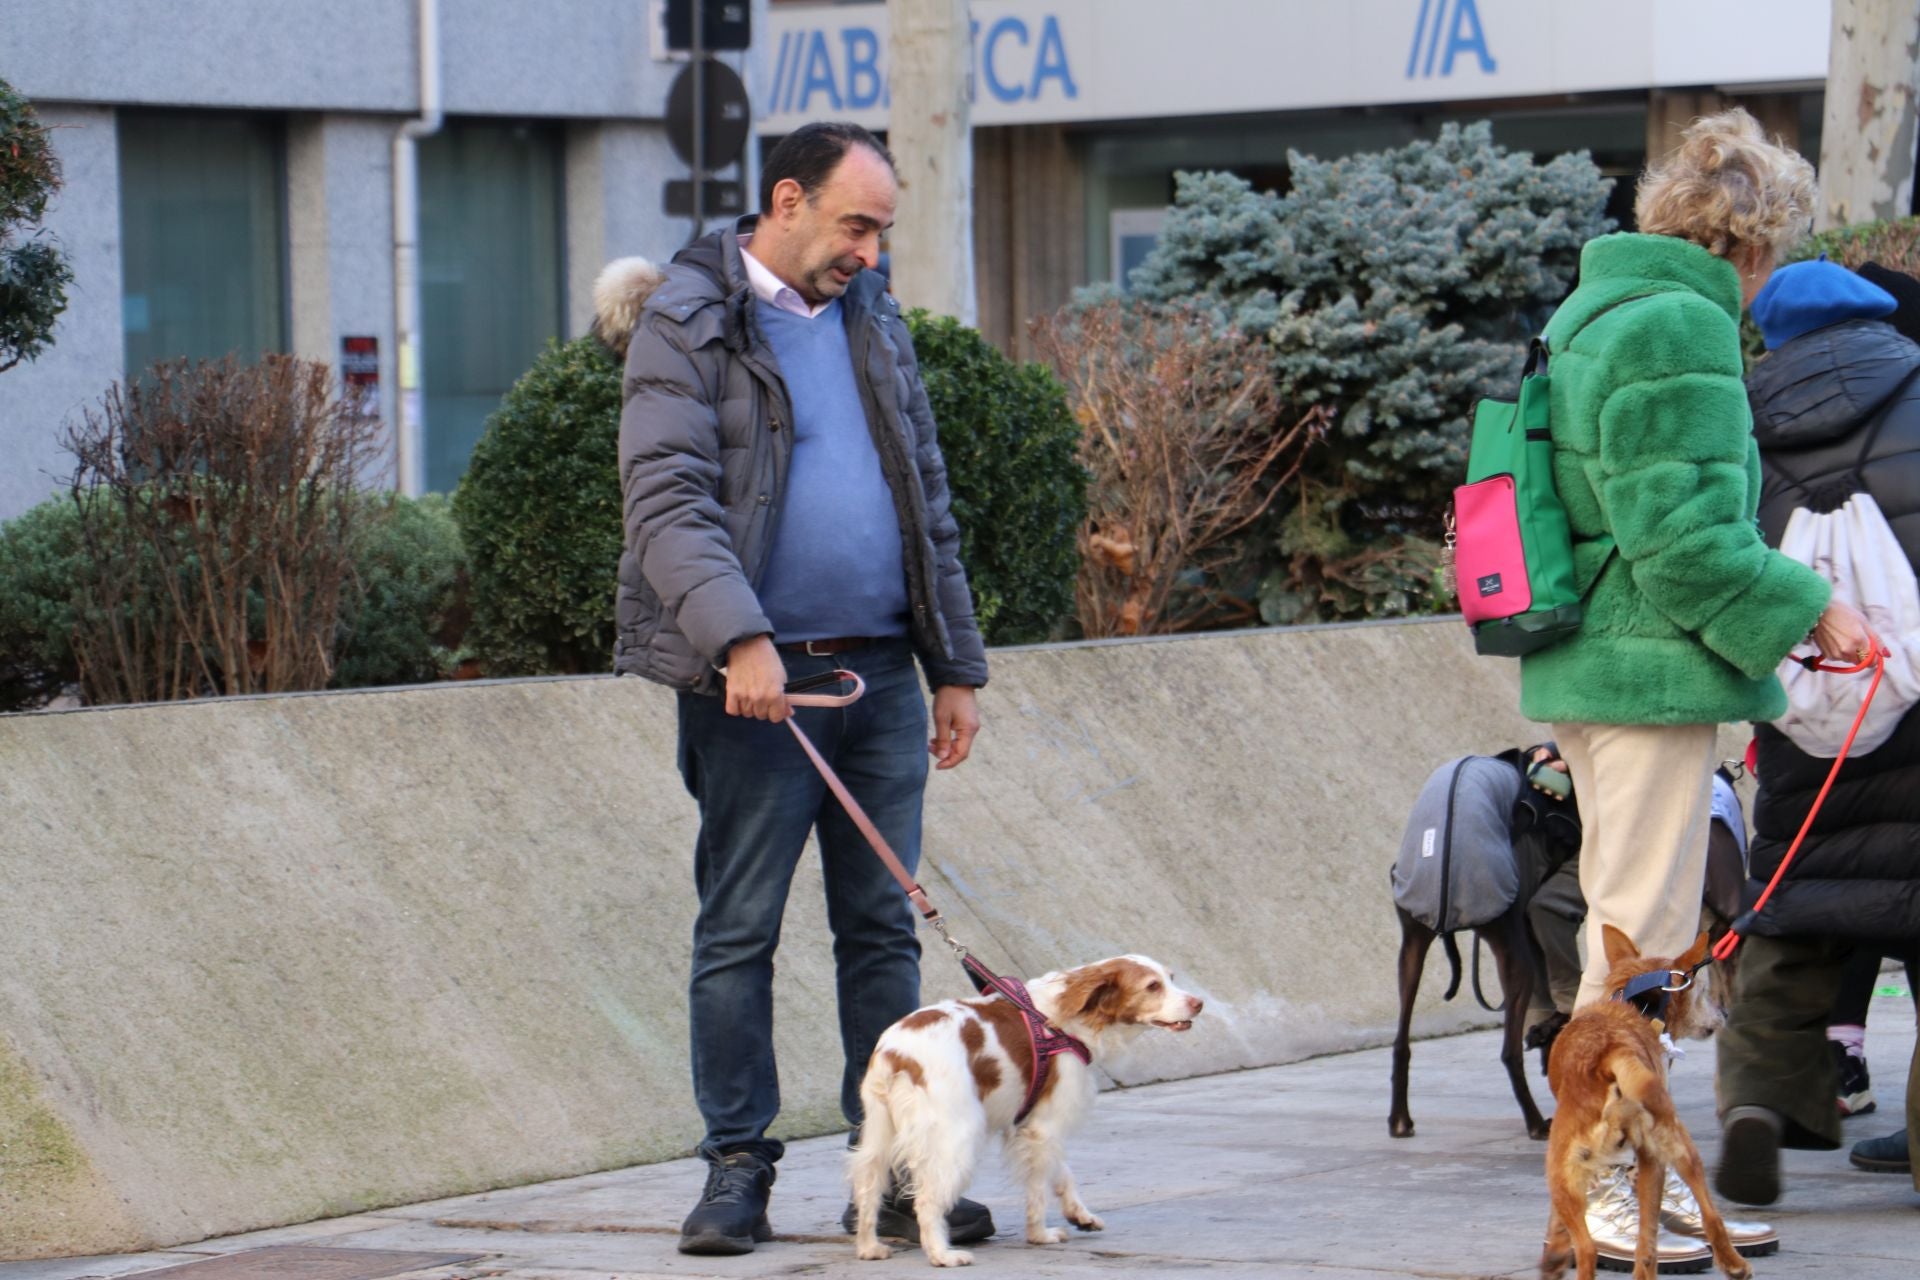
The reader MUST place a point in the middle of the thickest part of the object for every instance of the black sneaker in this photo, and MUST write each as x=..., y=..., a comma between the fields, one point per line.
x=1886, y=1154
x=1855, y=1094
x=732, y=1214
x=968, y=1221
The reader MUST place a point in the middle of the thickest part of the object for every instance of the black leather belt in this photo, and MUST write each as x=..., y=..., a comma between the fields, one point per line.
x=825, y=648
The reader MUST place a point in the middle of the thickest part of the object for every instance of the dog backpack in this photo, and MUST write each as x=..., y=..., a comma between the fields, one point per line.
x=1456, y=867
x=1511, y=545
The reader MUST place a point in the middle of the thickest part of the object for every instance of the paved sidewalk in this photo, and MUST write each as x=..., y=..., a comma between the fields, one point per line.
x=1283, y=1172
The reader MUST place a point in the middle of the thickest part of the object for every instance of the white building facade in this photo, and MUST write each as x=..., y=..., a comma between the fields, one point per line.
x=230, y=167
x=229, y=187
x=1085, y=109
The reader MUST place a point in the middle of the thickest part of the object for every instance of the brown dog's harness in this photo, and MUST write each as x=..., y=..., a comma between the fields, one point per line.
x=1047, y=1040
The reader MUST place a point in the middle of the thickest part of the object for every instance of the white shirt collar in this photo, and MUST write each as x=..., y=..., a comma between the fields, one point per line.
x=774, y=291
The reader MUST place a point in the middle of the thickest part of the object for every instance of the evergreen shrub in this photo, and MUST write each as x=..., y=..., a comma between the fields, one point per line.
x=1894, y=243
x=407, y=612
x=1019, y=492
x=539, y=510
x=1395, y=288
x=34, y=273
x=42, y=559
x=402, y=614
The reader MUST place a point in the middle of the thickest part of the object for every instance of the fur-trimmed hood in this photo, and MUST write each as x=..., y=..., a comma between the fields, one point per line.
x=620, y=293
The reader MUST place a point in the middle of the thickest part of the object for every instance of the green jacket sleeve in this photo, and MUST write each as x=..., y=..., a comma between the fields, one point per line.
x=1675, y=435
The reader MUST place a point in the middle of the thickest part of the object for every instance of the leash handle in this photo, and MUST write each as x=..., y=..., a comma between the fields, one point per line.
x=1820, y=662
x=1877, y=659
x=797, y=697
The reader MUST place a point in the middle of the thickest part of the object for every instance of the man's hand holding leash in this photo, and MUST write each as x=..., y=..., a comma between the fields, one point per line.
x=756, y=680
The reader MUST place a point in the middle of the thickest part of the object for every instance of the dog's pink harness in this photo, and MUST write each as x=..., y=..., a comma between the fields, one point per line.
x=1048, y=1041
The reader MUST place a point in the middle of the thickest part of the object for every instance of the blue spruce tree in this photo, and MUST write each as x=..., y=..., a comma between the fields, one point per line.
x=1397, y=288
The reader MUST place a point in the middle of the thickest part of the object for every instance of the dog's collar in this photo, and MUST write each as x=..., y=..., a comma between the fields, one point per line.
x=1650, y=993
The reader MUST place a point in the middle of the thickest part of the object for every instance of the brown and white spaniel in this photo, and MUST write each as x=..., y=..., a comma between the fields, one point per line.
x=945, y=1077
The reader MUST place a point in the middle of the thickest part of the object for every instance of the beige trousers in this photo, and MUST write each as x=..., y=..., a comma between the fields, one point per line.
x=1645, y=794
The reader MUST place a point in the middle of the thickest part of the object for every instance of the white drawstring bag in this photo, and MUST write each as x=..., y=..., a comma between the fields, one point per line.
x=1854, y=548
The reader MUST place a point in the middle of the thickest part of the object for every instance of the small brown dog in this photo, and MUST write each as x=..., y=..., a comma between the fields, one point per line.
x=1608, y=1072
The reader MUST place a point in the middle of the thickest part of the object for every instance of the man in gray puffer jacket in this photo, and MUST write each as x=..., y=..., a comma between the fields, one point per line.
x=786, y=514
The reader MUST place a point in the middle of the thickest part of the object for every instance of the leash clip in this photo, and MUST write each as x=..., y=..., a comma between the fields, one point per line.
x=939, y=924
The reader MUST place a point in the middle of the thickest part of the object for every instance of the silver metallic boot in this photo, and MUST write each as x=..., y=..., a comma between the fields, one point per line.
x=1613, y=1220
x=1680, y=1214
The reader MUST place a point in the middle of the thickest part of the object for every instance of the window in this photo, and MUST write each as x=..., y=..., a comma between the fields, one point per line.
x=1135, y=232
x=203, y=236
x=490, y=276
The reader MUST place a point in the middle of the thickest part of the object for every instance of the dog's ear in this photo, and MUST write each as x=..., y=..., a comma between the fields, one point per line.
x=1095, y=989
x=1619, y=945
x=1101, y=995
x=1694, y=954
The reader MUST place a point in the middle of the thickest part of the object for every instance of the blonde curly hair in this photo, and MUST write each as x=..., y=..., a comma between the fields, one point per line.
x=1728, y=186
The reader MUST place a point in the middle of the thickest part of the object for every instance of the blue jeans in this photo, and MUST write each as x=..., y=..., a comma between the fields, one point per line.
x=759, y=796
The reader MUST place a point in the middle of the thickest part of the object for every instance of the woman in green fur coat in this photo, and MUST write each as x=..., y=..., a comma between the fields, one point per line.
x=1690, y=612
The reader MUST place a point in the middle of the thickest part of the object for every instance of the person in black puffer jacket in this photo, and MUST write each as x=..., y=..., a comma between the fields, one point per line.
x=1836, y=409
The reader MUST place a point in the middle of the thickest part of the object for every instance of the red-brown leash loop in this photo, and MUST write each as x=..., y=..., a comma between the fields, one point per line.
x=1877, y=659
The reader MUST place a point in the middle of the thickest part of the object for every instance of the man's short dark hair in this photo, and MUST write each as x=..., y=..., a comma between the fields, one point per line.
x=811, y=153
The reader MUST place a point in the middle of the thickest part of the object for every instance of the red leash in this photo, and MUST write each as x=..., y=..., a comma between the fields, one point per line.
x=1724, y=948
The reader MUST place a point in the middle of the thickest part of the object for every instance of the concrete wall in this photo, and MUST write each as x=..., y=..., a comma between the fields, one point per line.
x=265, y=960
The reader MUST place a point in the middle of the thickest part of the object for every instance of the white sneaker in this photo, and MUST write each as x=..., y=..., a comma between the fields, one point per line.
x=1680, y=1214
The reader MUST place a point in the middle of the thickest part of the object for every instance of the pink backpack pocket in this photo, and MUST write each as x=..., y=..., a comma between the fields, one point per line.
x=1491, y=563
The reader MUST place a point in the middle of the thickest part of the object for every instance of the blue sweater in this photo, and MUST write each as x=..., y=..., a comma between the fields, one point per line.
x=836, y=567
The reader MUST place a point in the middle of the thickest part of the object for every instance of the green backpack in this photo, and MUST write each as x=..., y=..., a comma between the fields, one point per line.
x=1512, y=547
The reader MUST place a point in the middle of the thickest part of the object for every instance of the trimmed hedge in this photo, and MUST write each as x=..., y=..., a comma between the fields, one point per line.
x=1893, y=243
x=407, y=617
x=42, y=560
x=1019, y=491
x=539, y=509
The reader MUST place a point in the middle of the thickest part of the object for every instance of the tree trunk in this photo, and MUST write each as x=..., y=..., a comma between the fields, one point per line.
x=929, y=133
x=1867, y=138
